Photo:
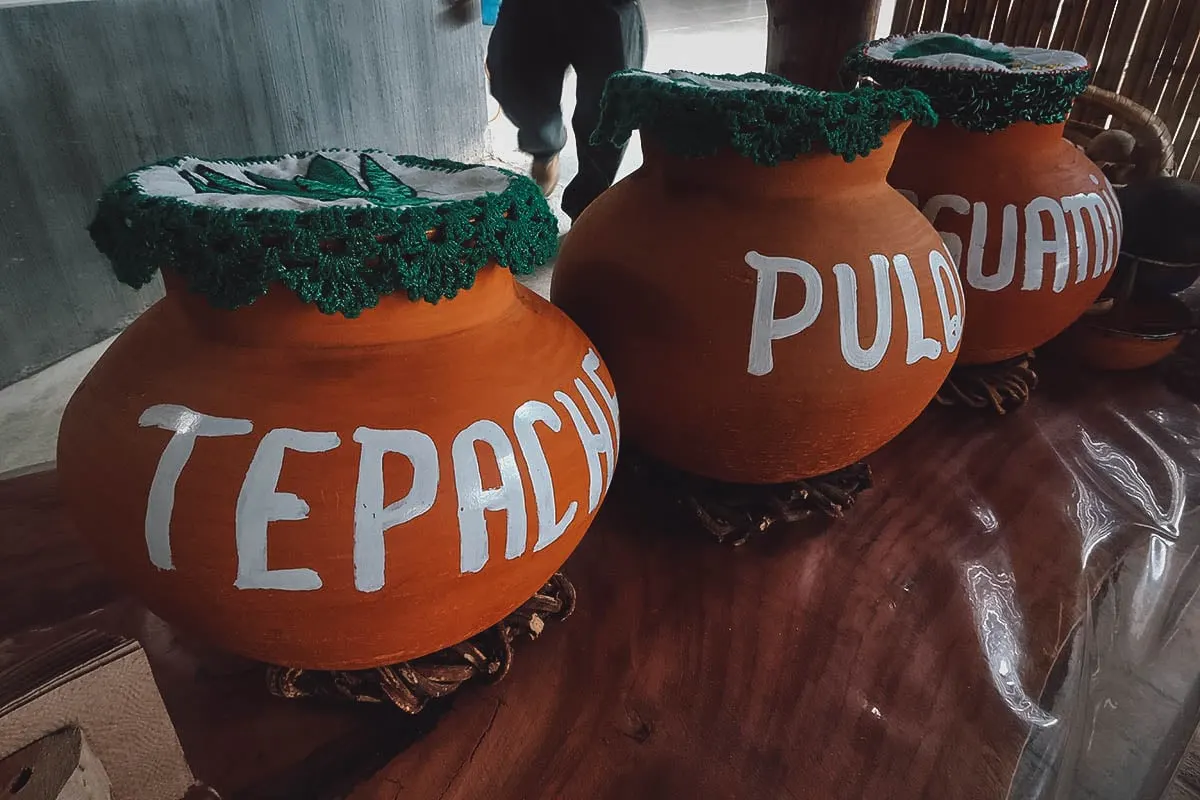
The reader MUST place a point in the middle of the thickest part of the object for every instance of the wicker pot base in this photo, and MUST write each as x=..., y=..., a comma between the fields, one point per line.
x=733, y=513
x=412, y=684
x=1001, y=387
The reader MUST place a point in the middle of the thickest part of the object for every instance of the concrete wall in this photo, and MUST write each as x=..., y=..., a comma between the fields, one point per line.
x=90, y=89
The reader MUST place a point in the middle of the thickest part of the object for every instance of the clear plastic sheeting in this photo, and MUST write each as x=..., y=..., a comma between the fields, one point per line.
x=1124, y=697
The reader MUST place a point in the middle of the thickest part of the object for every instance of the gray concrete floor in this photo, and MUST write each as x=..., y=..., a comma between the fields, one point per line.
x=30, y=410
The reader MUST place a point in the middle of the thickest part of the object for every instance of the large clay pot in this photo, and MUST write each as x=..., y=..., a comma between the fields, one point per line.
x=763, y=323
x=1033, y=225
x=336, y=491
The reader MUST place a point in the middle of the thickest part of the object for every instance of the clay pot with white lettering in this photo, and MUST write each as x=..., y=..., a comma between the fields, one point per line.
x=770, y=308
x=1032, y=223
x=346, y=437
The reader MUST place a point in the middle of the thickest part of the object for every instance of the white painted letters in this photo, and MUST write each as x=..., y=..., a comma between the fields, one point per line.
x=934, y=206
x=919, y=345
x=1093, y=205
x=591, y=367
x=1037, y=246
x=595, y=443
x=1112, y=220
x=371, y=518
x=549, y=526
x=259, y=503
x=1065, y=216
x=474, y=500
x=847, y=291
x=187, y=425
x=764, y=327
x=943, y=273
x=1006, y=269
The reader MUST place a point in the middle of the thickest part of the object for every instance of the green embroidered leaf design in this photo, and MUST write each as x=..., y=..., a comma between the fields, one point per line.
x=322, y=170
x=220, y=182
x=326, y=180
x=386, y=185
x=274, y=185
x=194, y=180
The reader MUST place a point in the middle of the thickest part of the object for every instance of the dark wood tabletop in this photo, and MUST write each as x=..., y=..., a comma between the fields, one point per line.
x=908, y=650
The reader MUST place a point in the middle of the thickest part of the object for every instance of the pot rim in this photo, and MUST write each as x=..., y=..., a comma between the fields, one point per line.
x=338, y=240
x=1140, y=336
x=978, y=98
x=1177, y=319
x=1158, y=263
x=764, y=118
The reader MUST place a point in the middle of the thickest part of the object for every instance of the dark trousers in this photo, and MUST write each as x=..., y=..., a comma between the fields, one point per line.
x=532, y=45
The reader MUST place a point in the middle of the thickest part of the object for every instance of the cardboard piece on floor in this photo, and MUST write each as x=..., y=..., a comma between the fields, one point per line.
x=60, y=766
x=101, y=684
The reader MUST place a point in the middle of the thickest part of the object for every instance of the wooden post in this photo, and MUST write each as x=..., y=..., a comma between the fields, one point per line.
x=807, y=39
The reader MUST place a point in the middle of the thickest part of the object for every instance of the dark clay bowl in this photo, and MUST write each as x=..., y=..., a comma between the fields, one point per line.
x=1162, y=233
x=1159, y=277
x=1138, y=333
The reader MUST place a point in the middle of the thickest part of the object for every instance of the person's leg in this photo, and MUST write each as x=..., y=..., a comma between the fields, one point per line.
x=607, y=36
x=526, y=63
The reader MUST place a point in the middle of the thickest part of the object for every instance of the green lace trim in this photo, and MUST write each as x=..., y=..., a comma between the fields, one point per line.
x=976, y=99
x=761, y=117
x=341, y=258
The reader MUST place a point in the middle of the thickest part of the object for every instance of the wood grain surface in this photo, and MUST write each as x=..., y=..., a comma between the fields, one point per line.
x=902, y=652
x=848, y=664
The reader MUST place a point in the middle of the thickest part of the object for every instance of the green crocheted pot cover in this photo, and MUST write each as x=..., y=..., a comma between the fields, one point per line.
x=762, y=117
x=340, y=228
x=976, y=84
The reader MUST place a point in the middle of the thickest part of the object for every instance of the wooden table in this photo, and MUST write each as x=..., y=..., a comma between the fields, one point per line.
x=906, y=651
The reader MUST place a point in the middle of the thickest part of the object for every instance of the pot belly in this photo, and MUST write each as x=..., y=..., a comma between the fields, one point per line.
x=1035, y=241
x=340, y=508
x=750, y=348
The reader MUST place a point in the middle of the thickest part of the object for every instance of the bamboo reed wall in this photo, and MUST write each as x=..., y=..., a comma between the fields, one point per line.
x=1146, y=50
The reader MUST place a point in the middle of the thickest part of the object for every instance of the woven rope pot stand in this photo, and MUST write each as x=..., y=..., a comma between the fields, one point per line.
x=772, y=311
x=1033, y=225
x=347, y=443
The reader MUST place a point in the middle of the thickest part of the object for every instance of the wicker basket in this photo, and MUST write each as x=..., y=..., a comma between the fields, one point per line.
x=1153, y=155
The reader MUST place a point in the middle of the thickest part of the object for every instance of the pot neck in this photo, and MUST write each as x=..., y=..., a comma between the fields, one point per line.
x=816, y=173
x=1018, y=139
x=280, y=318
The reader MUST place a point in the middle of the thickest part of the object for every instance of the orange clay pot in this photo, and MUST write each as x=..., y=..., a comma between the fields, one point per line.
x=763, y=324
x=333, y=493
x=1032, y=223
